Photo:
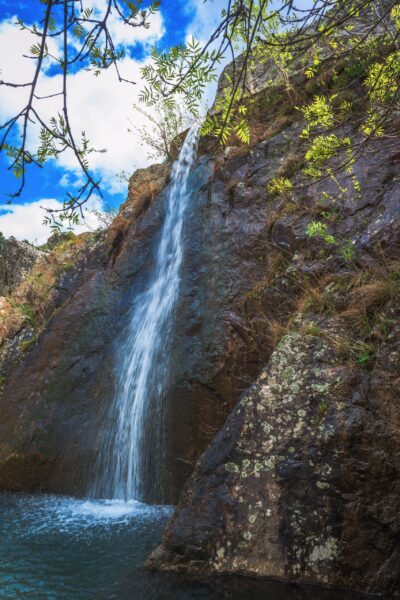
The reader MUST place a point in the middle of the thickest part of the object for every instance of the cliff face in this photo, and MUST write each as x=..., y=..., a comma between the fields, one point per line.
x=302, y=482
x=56, y=391
x=295, y=339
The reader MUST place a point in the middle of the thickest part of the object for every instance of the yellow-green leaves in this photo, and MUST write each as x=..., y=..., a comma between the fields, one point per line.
x=382, y=83
x=322, y=148
x=229, y=116
x=184, y=71
x=372, y=127
x=313, y=69
x=317, y=229
x=242, y=130
x=383, y=79
x=319, y=112
x=279, y=186
x=395, y=15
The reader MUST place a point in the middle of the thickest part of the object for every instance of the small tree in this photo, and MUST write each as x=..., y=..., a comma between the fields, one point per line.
x=104, y=217
x=161, y=136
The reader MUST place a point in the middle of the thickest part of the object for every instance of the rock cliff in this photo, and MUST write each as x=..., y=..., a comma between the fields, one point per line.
x=283, y=411
x=302, y=481
x=16, y=261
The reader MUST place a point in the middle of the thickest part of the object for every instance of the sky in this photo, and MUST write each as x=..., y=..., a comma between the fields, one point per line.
x=101, y=106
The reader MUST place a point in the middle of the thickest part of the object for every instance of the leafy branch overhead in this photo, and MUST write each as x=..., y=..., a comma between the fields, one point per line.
x=356, y=42
x=83, y=40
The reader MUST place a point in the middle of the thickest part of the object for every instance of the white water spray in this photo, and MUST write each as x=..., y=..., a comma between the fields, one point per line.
x=130, y=459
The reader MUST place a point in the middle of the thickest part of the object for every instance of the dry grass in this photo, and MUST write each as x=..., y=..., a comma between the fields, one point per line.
x=277, y=261
x=352, y=295
x=275, y=331
x=276, y=126
x=358, y=299
x=318, y=294
x=230, y=187
x=366, y=298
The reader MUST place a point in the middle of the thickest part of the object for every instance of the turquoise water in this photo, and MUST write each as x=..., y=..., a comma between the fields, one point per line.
x=63, y=548
x=57, y=548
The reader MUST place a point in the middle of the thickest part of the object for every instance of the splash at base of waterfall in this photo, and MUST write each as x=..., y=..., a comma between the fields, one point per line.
x=132, y=447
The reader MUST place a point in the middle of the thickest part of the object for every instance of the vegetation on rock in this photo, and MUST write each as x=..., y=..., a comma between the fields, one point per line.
x=31, y=295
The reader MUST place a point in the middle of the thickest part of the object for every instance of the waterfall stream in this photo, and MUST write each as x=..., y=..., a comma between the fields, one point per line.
x=130, y=459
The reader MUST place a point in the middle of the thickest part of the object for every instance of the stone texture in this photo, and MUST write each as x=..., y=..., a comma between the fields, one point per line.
x=42, y=289
x=302, y=481
x=16, y=261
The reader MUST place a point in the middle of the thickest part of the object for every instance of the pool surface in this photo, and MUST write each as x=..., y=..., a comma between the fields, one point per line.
x=58, y=548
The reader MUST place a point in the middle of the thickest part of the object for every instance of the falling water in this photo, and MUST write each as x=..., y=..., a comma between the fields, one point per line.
x=130, y=462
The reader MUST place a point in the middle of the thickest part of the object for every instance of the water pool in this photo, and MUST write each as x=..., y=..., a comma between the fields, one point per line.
x=58, y=548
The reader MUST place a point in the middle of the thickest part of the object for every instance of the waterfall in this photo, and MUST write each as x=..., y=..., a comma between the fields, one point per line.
x=130, y=460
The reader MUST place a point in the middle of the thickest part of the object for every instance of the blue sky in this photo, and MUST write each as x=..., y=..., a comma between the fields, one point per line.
x=101, y=106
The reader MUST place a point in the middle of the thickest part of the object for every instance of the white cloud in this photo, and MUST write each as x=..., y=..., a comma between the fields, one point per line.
x=99, y=106
x=207, y=16
x=25, y=221
x=65, y=180
x=123, y=33
x=14, y=44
